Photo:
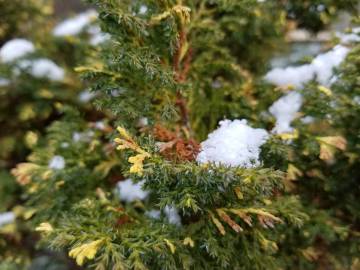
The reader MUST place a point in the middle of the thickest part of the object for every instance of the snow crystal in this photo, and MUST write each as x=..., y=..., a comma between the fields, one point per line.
x=74, y=26
x=130, y=191
x=85, y=96
x=15, y=49
x=42, y=68
x=234, y=143
x=172, y=215
x=57, y=163
x=284, y=110
x=6, y=218
x=320, y=68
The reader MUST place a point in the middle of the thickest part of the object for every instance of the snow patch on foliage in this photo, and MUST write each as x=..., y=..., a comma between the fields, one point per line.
x=234, y=143
x=57, y=163
x=85, y=96
x=143, y=9
x=15, y=48
x=172, y=215
x=6, y=218
x=97, y=36
x=353, y=36
x=321, y=68
x=154, y=214
x=284, y=110
x=130, y=191
x=75, y=25
x=42, y=68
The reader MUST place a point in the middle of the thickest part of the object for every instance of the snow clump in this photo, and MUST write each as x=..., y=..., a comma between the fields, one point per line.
x=130, y=191
x=234, y=144
x=15, y=48
x=57, y=163
x=285, y=110
x=75, y=25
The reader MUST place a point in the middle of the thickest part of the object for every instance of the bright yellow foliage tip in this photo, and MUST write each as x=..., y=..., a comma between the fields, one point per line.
x=85, y=251
x=125, y=141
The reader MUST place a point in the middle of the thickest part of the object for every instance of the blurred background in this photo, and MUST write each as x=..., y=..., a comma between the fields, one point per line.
x=64, y=7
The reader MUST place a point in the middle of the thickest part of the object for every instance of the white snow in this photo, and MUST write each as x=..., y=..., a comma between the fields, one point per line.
x=155, y=214
x=57, y=163
x=100, y=125
x=321, y=68
x=234, y=143
x=130, y=191
x=74, y=26
x=172, y=215
x=15, y=48
x=97, y=37
x=324, y=64
x=6, y=218
x=294, y=76
x=346, y=38
x=143, y=9
x=85, y=96
x=284, y=110
x=42, y=68
x=143, y=122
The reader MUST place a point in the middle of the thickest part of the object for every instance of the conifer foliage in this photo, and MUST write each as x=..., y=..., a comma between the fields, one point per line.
x=191, y=157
